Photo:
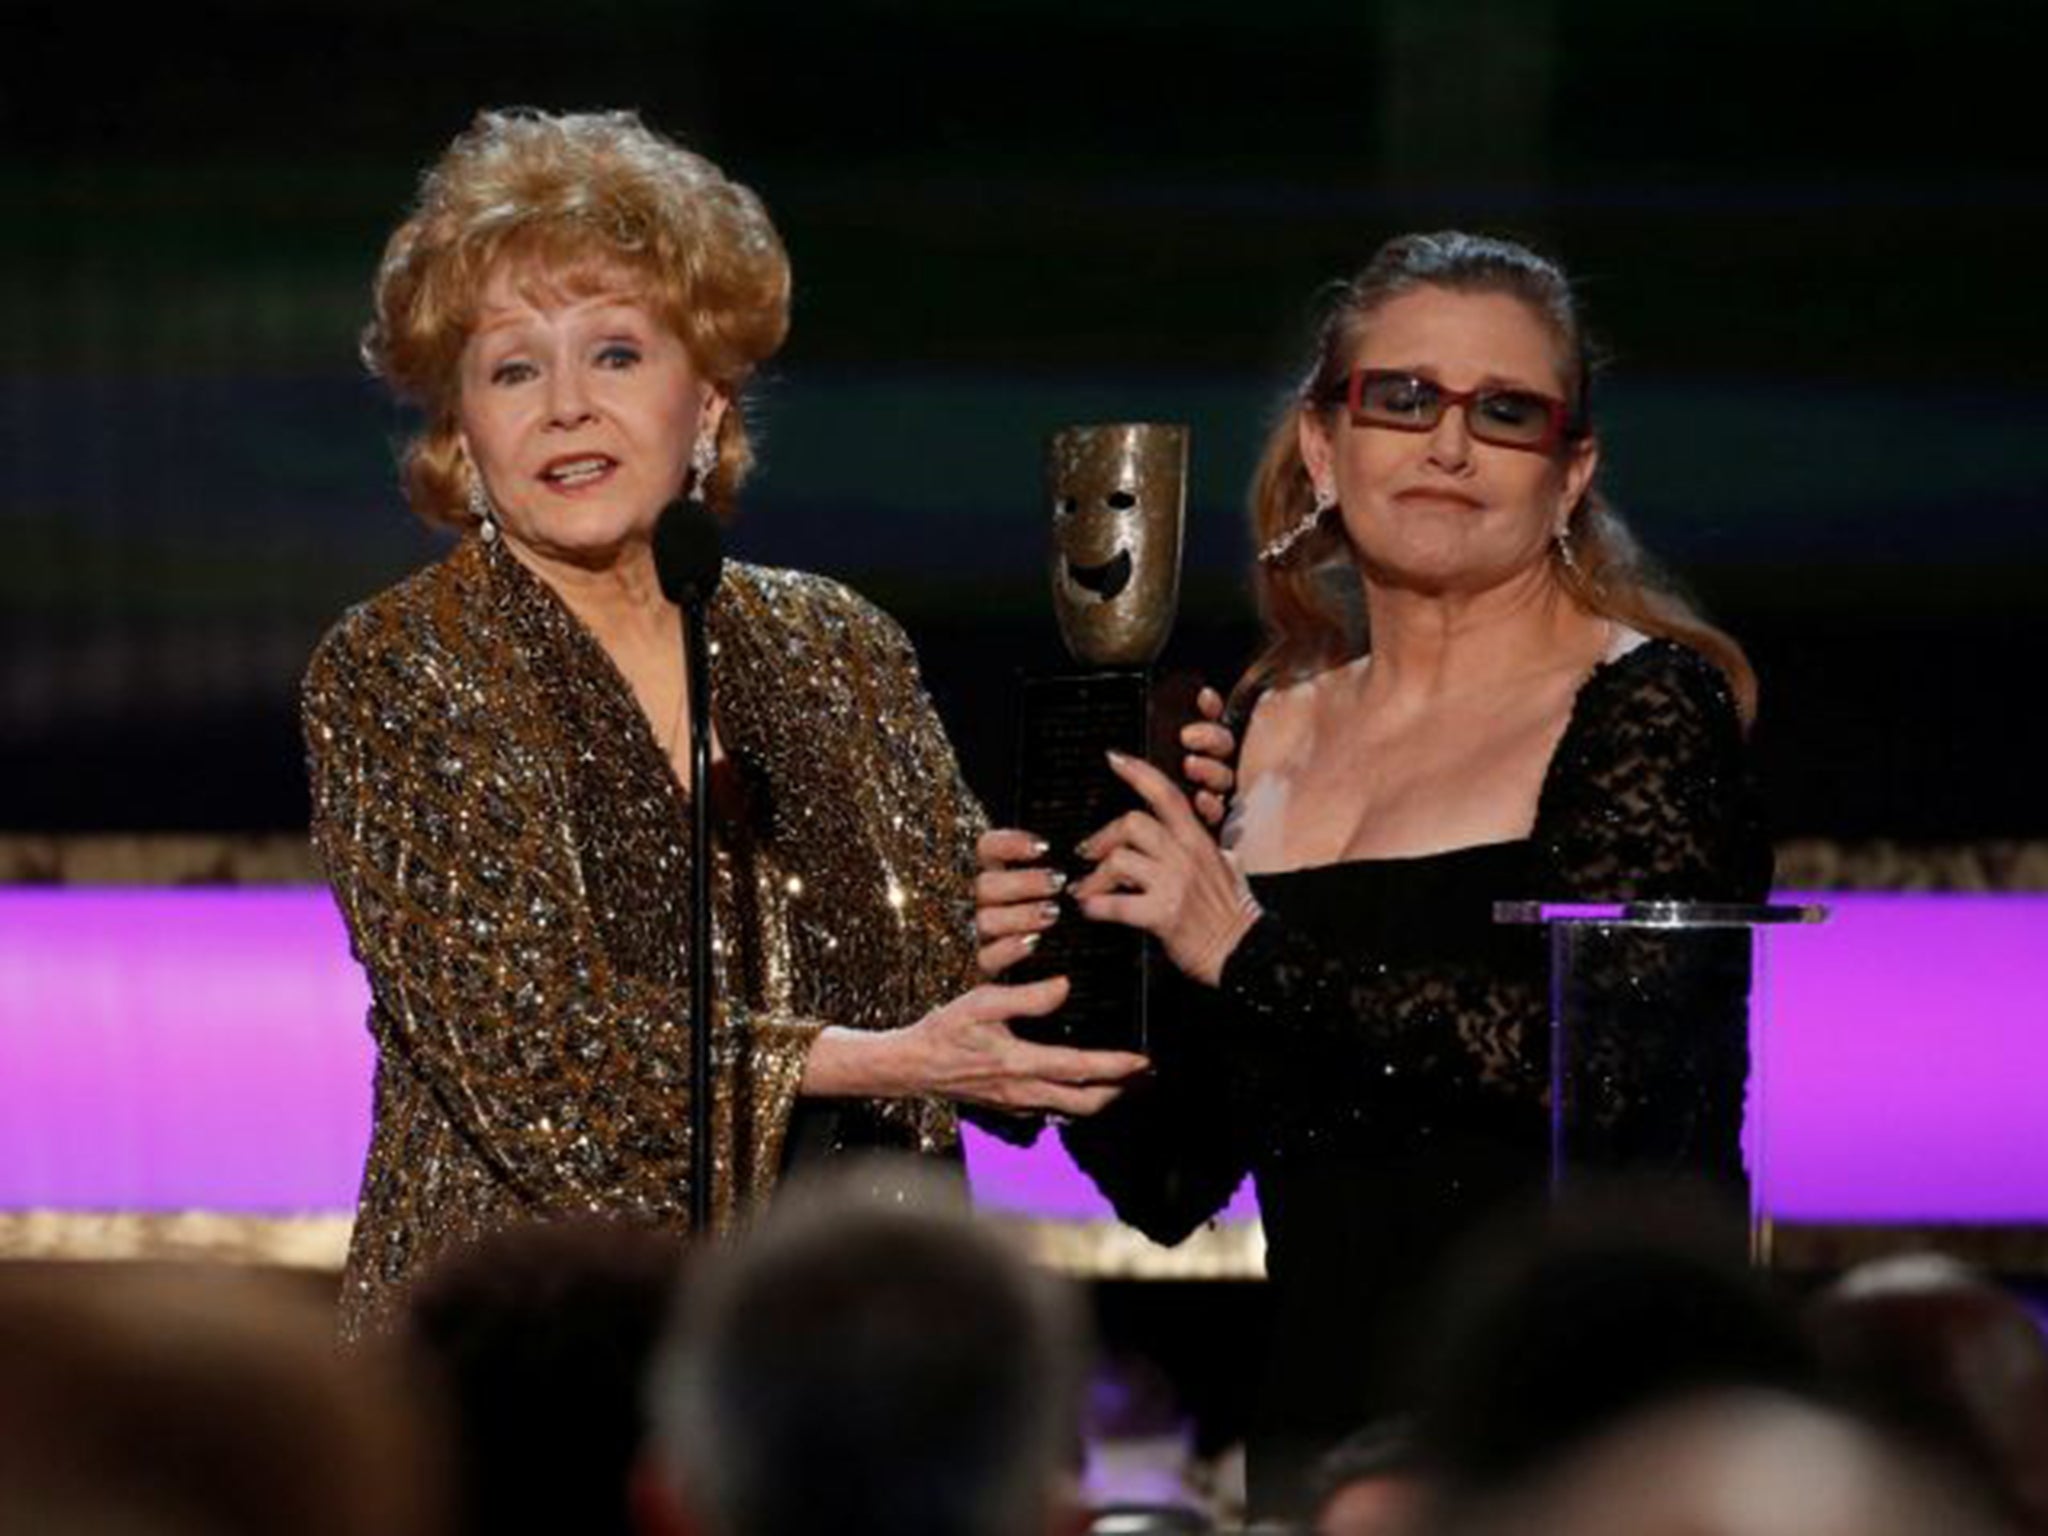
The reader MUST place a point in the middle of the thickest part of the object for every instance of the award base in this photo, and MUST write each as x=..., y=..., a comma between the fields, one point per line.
x=1068, y=724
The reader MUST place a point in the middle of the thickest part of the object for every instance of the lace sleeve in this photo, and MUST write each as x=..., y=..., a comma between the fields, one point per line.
x=1650, y=796
x=1170, y=1151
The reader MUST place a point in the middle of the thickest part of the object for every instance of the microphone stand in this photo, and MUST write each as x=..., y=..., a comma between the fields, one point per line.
x=688, y=562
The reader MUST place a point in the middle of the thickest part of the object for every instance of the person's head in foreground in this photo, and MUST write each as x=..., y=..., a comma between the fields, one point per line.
x=856, y=1364
x=541, y=1337
x=1561, y=1321
x=1371, y=1483
x=1950, y=1362
x=1734, y=1464
x=200, y=1401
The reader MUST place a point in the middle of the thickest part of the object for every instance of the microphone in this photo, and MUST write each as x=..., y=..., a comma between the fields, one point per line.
x=688, y=562
x=688, y=558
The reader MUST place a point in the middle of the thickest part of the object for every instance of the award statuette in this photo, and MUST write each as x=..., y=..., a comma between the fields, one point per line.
x=1119, y=497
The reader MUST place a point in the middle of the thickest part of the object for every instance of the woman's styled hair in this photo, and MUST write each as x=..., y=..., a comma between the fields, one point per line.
x=581, y=201
x=1307, y=621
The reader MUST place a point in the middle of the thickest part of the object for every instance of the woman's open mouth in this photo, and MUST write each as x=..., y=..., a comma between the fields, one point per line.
x=573, y=473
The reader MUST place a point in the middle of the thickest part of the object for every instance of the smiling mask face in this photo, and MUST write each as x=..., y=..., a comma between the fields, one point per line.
x=1119, y=497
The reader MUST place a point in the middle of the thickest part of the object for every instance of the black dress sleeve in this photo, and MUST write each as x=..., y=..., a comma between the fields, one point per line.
x=1650, y=796
x=1170, y=1152
x=1653, y=801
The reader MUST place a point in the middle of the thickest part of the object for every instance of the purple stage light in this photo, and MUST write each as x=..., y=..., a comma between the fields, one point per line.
x=1907, y=1061
x=204, y=1049
x=184, y=1049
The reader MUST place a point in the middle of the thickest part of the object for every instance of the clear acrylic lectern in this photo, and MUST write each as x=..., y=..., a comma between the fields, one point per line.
x=1656, y=1040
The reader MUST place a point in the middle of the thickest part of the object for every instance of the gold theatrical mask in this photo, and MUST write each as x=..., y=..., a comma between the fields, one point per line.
x=1119, y=502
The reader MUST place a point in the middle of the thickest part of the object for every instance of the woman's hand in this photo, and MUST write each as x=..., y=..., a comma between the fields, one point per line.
x=1161, y=871
x=1012, y=906
x=1210, y=766
x=1016, y=899
x=965, y=1051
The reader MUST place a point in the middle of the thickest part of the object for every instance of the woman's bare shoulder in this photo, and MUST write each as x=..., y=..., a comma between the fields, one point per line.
x=1283, y=717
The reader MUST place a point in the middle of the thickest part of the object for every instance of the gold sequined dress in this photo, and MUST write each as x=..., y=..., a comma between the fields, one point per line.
x=510, y=849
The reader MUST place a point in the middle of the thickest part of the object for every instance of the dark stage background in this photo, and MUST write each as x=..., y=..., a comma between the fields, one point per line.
x=1810, y=236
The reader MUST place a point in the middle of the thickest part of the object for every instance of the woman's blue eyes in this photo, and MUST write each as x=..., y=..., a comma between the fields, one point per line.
x=615, y=355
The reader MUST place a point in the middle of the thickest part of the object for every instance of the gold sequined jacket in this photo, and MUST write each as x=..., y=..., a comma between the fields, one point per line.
x=510, y=849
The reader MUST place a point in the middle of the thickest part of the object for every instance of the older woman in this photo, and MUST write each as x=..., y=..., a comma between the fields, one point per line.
x=1471, y=690
x=498, y=759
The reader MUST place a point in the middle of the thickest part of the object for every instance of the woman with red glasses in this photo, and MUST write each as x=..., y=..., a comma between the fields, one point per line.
x=1473, y=689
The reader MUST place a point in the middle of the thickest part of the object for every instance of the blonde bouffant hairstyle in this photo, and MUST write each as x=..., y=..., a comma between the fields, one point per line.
x=580, y=200
x=1311, y=621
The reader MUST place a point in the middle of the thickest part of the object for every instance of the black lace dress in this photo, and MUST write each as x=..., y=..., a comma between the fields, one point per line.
x=1379, y=1057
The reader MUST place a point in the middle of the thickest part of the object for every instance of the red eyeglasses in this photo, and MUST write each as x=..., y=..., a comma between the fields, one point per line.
x=1507, y=418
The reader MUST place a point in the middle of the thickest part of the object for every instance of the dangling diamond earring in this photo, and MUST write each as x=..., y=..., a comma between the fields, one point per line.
x=480, y=508
x=703, y=462
x=1277, y=549
x=1563, y=540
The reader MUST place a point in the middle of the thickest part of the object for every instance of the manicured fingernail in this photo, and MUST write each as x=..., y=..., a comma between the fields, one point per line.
x=1055, y=880
x=1031, y=941
x=1050, y=911
x=1117, y=758
x=1040, y=847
